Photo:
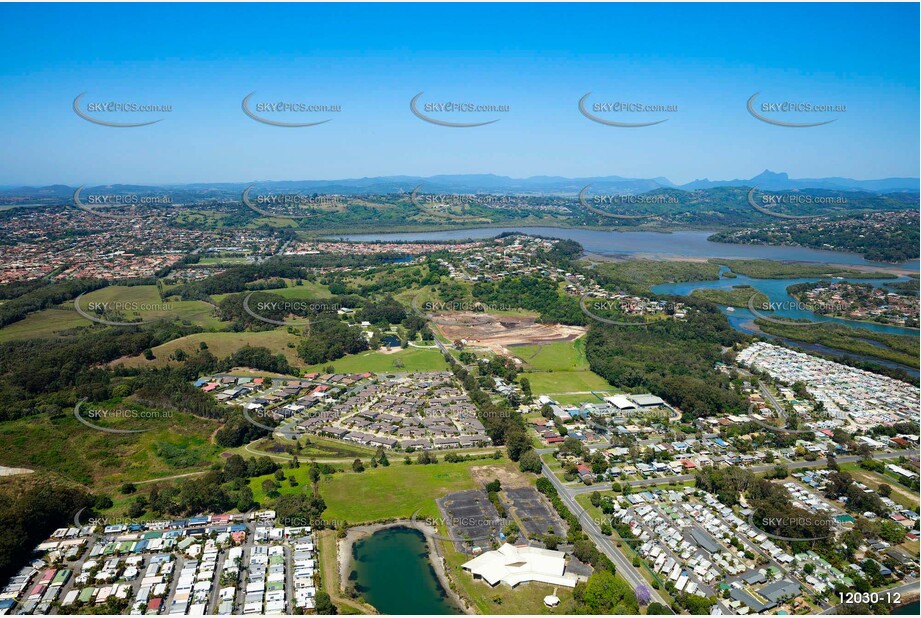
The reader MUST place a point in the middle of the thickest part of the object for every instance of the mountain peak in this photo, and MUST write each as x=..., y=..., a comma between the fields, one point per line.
x=769, y=175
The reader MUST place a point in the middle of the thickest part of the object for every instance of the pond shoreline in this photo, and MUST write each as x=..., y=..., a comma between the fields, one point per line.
x=344, y=554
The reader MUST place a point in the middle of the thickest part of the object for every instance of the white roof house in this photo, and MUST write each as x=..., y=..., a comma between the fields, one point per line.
x=513, y=565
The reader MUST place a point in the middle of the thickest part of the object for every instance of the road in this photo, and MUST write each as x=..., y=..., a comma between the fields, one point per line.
x=624, y=566
x=793, y=465
x=773, y=400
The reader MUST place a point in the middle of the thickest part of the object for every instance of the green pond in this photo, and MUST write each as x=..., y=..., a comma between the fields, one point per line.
x=391, y=570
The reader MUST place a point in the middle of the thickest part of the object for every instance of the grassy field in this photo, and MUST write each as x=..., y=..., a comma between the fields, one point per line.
x=396, y=491
x=560, y=370
x=221, y=345
x=44, y=324
x=196, y=312
x=306, y=290
x=319, y=449
x=900, y=493
x=172, y=445
x=413, y=359
x=566, y=382
x=556, y=356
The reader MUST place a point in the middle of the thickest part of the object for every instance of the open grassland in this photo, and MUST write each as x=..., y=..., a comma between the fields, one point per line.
x=412, y=359
x=147, y=298
x=169, y=445
x=900, y=493
x=55, y=321
x=221, y=345
x=306, y=291
x=44, y=324
x=556, y=356
x=393, y=492
x=561, y=371
x=558, y=383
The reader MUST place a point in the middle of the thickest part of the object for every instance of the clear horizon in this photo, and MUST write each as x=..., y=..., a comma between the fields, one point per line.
x=539, y=60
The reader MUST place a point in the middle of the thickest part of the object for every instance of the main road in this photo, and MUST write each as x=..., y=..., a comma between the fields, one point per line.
x=590, y=527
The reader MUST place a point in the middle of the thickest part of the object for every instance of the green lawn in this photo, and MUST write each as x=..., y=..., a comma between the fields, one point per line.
x=221, y=345
x=562, y=382
x=556, y=356
x=413, y=359
x=397, y=491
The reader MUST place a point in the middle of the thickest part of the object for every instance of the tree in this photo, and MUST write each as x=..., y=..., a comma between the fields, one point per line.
x=530, y=462
x=884, y=490
x=324, y=605
x=605, y=594
x=357, y=466
x=526, y=388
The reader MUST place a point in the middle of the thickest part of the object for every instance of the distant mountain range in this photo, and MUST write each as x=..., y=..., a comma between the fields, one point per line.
x=490, y=183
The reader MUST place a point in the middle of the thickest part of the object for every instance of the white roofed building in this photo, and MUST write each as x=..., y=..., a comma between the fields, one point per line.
x=513, y=565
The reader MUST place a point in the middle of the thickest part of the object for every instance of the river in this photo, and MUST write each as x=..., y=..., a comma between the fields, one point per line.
x=391, y=570
x=681, y=244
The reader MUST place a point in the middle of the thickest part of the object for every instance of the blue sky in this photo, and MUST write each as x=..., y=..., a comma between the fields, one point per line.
x=538, y=59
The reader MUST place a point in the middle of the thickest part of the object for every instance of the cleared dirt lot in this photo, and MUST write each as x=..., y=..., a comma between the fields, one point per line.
x=509, y=476
x=498, y=332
